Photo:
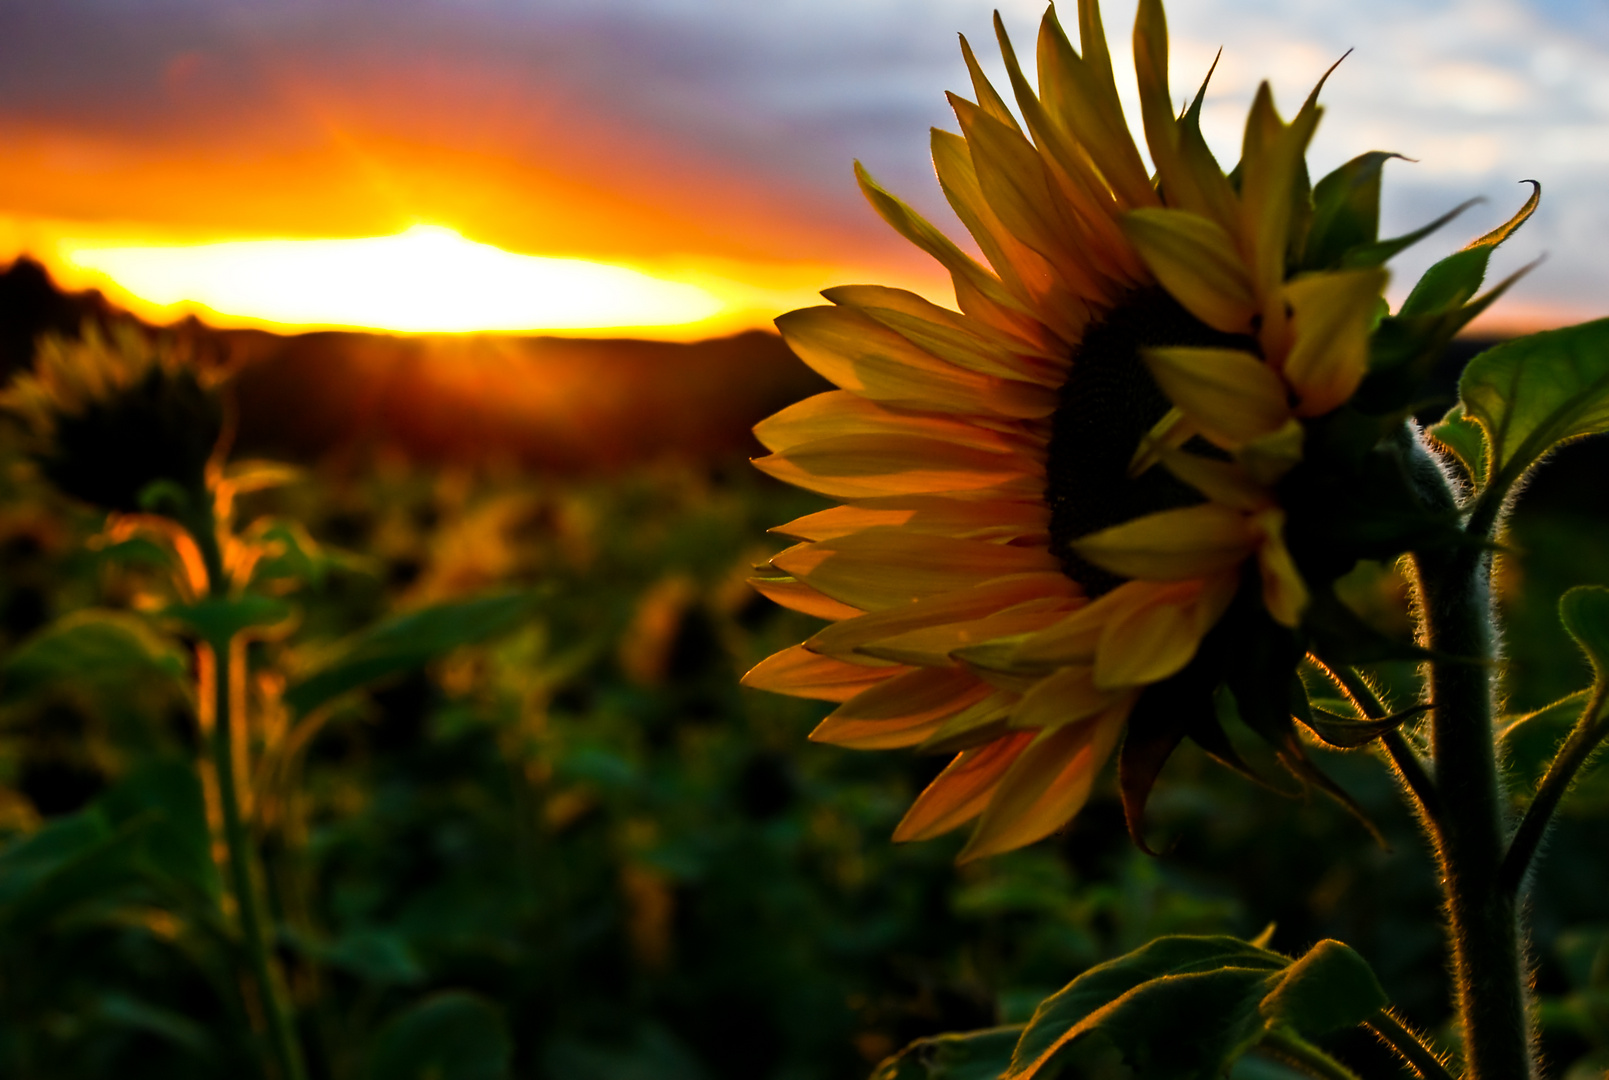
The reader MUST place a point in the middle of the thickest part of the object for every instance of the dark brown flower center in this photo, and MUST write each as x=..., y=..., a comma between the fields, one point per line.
x=1107, y=405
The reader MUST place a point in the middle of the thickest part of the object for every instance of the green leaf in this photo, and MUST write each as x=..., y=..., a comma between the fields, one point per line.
x=1451, y=282
x=452, y=1035
x=95, y=646
x=293, y=554
x=1535, y=392
x=1380, y=251
x=976, y=1055
x=218, y=618
x=1528, y=743
x=1462, y=437
x=1329, y=988
x=164, y=799
x=1584, y=610
x=408, y=641
x=1085, y=1002
x=1346, y=210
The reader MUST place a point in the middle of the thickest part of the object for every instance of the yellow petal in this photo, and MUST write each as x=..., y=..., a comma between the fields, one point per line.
x=797, y=596
x=954, y=337
x=932, y=645
x=1046, y=785
x=1270, y=457
x=1284, y=592
x=838, y=413
x=962, y=790
x=867, y=466
x=988, y=519
x=1224, y=482
x=1197, y=262
x=1230, y=396
x=1332, y=316
x=1172, y=431
x=1270, y=160
x=884, y=568
x=1171, y=545
x=1024, y=271
x=1062, y=697
x=979, y=723
x=1149, y=642
x=978, y=292
x=960, y=606
x=989, y=99
x=1081, y=95
x=902, y=711
x=854, y=352
x=801, y=673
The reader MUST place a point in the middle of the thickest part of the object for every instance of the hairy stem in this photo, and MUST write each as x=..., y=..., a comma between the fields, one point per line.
x=1483, y=922
x=1410, y=770
x=1418, y=1054
x=1583, y=739
x=243, y=872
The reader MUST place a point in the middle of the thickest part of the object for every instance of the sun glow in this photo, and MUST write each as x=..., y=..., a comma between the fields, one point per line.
x=427, y=279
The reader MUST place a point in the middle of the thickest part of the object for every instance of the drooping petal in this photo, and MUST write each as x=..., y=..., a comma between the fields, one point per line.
x=1171, y=545
x=837, y=413
x=1147, y=642
x=992, y=519
x=962, y=790
x=799, y=672
x=1198, y=263
x=1046, y=785
x=869, y=466
x=1224, y=482
x=961, y=606
x=932, y=645
x=1229, y=396
x=901, y=711
x=1284, y=592
x=882, y=568
x=1330, y=326
x=797, y=596
x=854, y=352
x=1064, y=696
x=981, y=722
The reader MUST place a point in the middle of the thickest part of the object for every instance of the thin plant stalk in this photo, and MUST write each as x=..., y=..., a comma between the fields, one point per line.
x=282, y=1035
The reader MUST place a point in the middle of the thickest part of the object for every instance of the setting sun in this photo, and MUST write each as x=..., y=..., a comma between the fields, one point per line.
x=428, y=278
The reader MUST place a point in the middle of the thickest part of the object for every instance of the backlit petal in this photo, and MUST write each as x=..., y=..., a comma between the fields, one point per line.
x=962, y=790
x=1171, y=545
x=901, y=711
x=1330, y=324
x=1229, y=396
x=1197, y=262
x=883, y=568
x=1284, y=592
x=799, y=672
x=981, y=520
x=797, y=596
x=960, y=606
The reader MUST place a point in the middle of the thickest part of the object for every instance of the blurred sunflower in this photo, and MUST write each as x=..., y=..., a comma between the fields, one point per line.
x=1066, y=505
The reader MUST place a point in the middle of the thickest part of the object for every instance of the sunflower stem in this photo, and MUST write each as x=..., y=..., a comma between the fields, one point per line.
x=1456, y=620
x=243, y=871
x=1414, y=1050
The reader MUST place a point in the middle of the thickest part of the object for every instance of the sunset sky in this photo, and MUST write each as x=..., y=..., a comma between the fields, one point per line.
x=700, y=149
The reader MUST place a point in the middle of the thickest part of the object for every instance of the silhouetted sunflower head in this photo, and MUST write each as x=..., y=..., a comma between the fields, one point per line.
x=108, y=415
x=1114, y=489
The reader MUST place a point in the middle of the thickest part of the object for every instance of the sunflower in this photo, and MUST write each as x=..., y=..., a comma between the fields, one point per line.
x=1067, y=506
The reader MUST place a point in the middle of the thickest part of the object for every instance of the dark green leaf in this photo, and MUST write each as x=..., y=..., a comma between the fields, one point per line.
x=1529, y=742
x=1101, y=986
x=1329, y=988
x=1534, y=392
x=406, y=642
x=976, y=1055
x=218, y=618
x=452, y=1035
x=138, y=1014
x=1346, y=210
x=164, y=799
x=1380, y=251
x=94, y=646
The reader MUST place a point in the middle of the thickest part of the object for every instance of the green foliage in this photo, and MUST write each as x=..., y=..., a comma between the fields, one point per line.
x=447, y=1036
x=1533, y=393
x=1584, y=610
x=407, y=641
x=104, y=647
x=1177, y=1007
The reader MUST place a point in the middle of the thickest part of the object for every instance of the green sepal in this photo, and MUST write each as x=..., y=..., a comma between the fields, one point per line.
x=975, y=1055
x=408, y=641
x=91, y=645
x=1346, y=211
x=1380, y=252
x=1532, y=393
x=1453, y=281
x=1348, y=732
x=216, y=619
x=1463, y=438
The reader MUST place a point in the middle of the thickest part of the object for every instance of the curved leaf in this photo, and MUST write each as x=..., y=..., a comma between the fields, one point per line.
x=975, y=1055
x=1329, y=988
x=452, y=1035
x=1532, y=393
x=1584, y=611
x=94, y=645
